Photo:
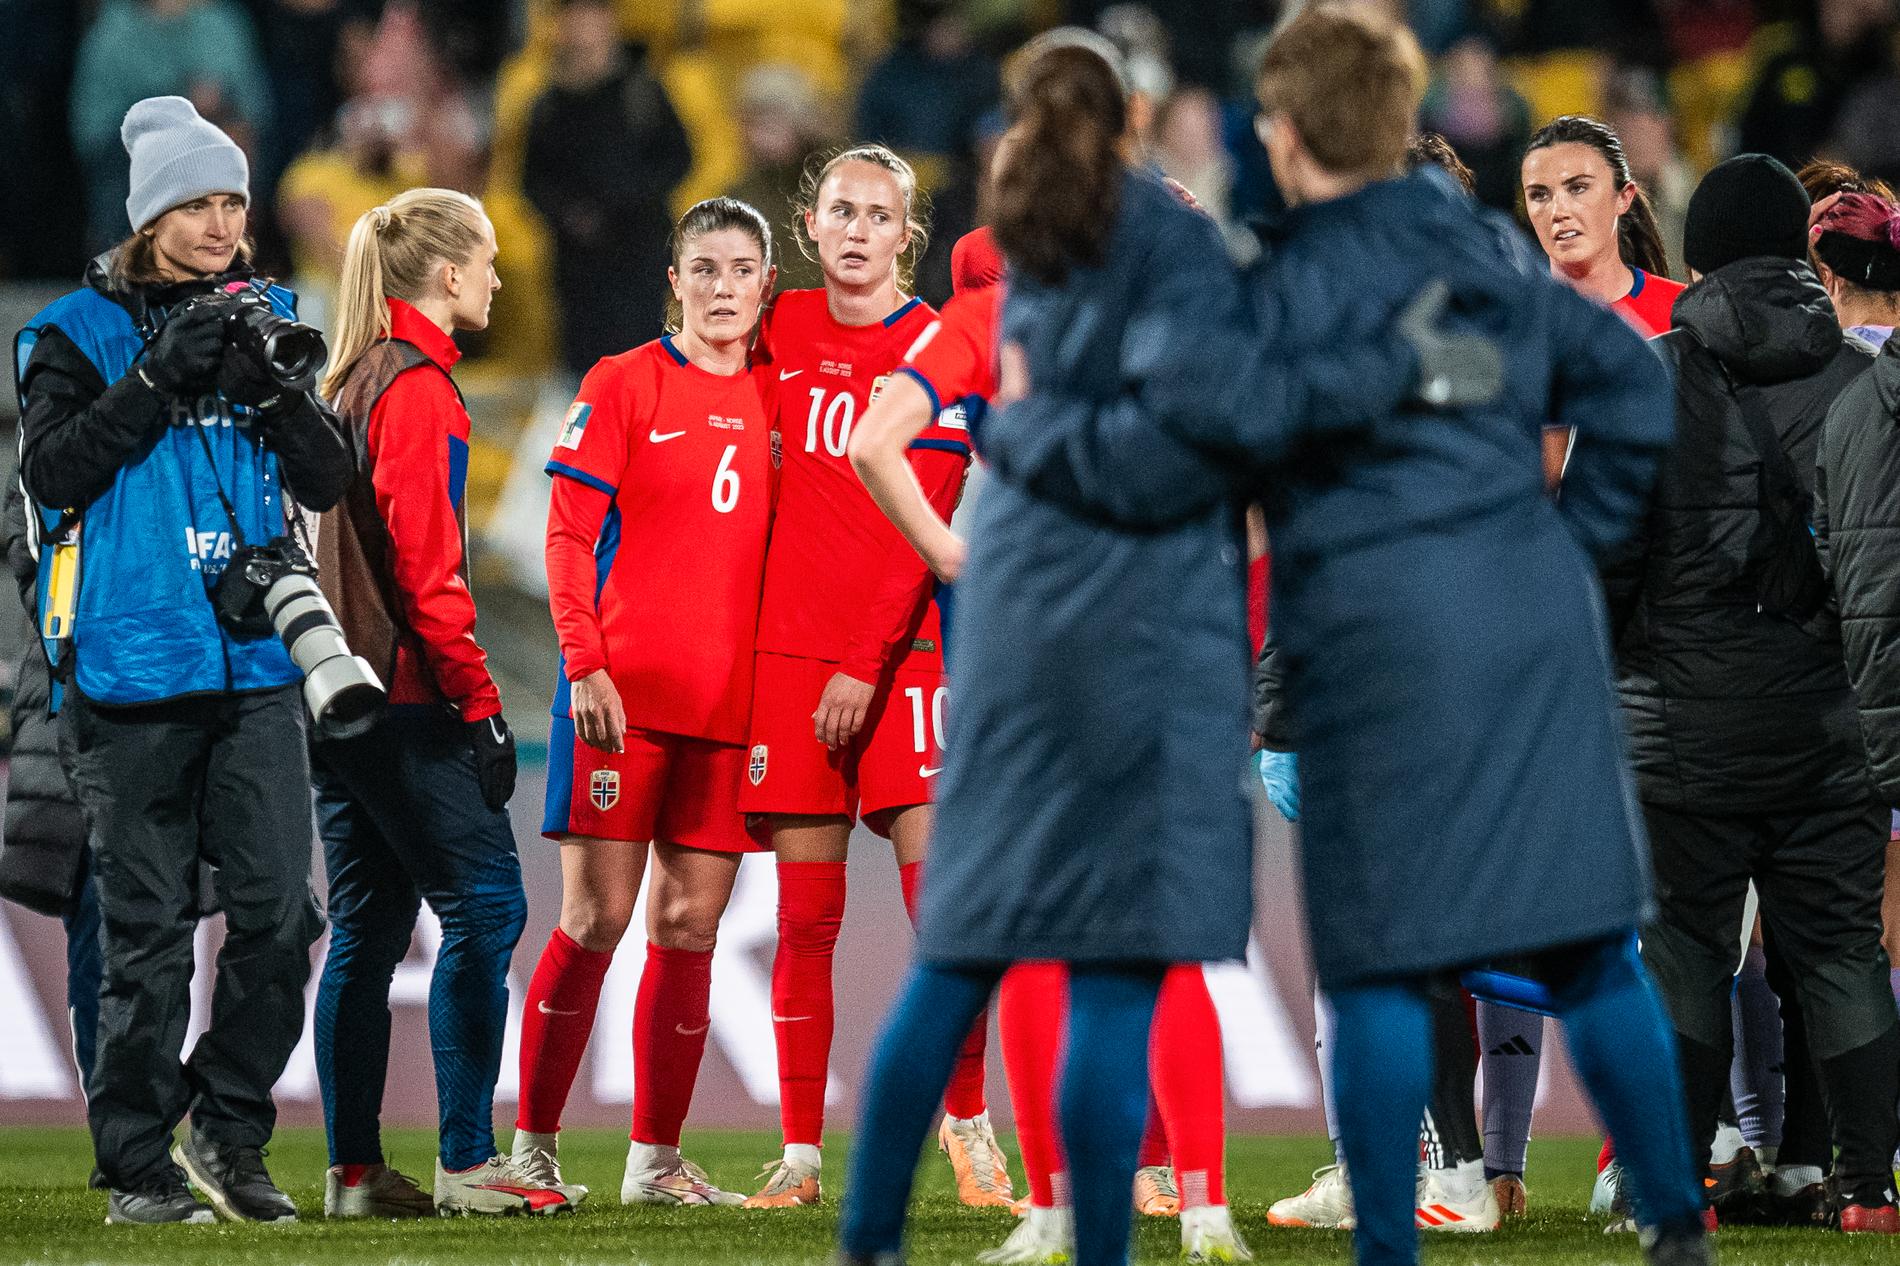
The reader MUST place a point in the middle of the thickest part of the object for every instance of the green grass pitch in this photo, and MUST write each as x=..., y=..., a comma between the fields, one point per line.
x=47, y=1215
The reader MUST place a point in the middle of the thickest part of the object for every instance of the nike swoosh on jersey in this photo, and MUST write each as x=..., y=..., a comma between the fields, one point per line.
x=547, y=1010
x=683, y=1031
x=789, y=1019
x=657, y=438
x=925, y=771
x=783, y=374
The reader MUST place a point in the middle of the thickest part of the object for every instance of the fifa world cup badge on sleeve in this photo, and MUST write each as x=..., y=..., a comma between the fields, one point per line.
x=755, y=766
x=778, y=451
x=603, y=788
x=574, y=425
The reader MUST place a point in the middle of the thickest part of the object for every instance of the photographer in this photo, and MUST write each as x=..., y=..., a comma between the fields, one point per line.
x=142, y=423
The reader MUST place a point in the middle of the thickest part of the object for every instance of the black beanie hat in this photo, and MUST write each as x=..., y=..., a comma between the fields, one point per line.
x=1748, y=205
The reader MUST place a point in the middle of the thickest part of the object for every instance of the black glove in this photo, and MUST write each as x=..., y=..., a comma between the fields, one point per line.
x=494, y=745
x=1455, y=371
x=242, y=381
x=184, y=359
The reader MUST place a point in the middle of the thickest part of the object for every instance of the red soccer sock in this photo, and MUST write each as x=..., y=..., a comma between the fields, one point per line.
x=1606, y=1155
x=670, y=1018
x=1184, y=1062
x=810, y=911
x=1032, y=1012
x=964, y=1096
x=557, y=1017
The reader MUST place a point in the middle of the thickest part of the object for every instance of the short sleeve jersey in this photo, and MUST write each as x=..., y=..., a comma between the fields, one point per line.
x=954, y=360
x=685, y=456
x=829, y=571
x=1648, y=307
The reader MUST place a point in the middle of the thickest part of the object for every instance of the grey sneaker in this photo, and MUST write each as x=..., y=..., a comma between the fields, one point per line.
x=233, y=1179
x=383, y=1192
x=164, y=1199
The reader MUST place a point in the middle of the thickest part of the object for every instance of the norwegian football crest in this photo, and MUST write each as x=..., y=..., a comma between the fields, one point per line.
x=603, y=788
x=755, y=767
x=877, y=386
x=778, y=451
x=574, y=425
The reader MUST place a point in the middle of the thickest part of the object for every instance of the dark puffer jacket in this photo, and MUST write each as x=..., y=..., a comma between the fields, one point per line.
x=1731, y=709
x=45, y=835
x=1857, y=518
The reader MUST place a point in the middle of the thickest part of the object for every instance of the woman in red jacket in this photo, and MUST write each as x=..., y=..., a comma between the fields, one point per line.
x=414, y=810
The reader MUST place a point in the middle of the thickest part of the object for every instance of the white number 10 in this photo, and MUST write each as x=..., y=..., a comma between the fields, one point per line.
x=839, y=415
x=916, y=696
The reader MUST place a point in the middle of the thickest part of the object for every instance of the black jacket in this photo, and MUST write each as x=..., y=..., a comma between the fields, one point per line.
x=40, y=852
x=76, y=432
x=1730, y=709
x=601, y=165
x=1857, y=519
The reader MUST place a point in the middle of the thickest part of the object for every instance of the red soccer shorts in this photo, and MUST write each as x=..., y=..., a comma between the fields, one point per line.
x=891, y=764
x=662, y=787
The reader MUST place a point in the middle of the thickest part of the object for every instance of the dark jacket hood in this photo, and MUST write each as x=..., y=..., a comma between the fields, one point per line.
x=1886, y=377
x=1766, y=319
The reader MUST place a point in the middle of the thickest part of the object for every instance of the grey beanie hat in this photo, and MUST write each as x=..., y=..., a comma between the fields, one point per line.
x=176, y=157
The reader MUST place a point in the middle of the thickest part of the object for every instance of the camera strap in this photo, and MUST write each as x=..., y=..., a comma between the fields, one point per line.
x=230, y=511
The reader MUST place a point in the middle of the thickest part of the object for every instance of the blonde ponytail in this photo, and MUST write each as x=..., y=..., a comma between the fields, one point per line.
x=392, y=251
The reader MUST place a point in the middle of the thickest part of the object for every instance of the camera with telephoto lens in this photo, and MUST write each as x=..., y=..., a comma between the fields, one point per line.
x=272, y=588
x=275, y=348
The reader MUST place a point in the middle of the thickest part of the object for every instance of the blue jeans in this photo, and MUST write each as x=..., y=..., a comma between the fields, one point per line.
x=403, y=821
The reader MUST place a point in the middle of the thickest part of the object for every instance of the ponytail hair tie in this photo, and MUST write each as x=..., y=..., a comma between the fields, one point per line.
x=383, y=217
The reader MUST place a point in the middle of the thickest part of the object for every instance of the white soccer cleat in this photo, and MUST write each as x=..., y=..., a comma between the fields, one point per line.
x=538, y=1156
x=1326, y=1205
x=382, y=1192
x=1208, y=1235
x=1456, y=1200
x=496, y=1187
x=660, y=1175
x=1604, y=1195
x=1045, y=1237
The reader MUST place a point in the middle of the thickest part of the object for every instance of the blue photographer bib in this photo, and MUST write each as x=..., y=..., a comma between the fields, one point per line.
x=154, y=543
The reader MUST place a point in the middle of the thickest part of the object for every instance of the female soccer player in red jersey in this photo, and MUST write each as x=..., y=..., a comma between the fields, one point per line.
x=662, y=503
x=848, y=697
x=1596, y=225
x=953, y=365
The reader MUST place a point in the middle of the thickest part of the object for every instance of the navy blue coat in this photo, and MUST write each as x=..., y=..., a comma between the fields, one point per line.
x=1093, y=804
x=1466, y=791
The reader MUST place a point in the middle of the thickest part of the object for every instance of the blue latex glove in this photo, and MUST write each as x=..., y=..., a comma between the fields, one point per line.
x=1280, y=775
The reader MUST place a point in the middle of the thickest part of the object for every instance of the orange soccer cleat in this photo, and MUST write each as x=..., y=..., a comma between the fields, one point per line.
x=791, y=1185
x=1156, y=1196
x=977, y=1159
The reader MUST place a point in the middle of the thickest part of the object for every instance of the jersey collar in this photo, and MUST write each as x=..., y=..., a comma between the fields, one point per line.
x=409, y=325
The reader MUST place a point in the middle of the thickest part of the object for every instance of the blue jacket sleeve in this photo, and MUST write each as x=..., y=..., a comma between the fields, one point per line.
x=1205, y=400
x=1616, y=393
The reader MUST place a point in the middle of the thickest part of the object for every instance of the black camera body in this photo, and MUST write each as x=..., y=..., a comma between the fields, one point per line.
x=272, y=588
x=269, y=346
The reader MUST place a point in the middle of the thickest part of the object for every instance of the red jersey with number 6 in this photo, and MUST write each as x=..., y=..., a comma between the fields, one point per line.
x=841, y=584
x=657, y=525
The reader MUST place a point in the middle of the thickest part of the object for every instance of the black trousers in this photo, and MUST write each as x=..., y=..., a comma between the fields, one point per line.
x=1819, y=876
x=227, y=779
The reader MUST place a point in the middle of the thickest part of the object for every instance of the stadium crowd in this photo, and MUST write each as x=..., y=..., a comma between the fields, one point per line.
x=1555, y=375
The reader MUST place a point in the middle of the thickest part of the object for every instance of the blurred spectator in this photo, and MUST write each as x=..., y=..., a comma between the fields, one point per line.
x=604, y=152
x=1483, y=117
x=325, y=190
x=1867, y=133
x=1146, y=61
x=782, y=125
x=1636, y=110
x=201, y=49
x=925, y=96
x=38, y=39
x=1792, y=107
x=1188, y=146
x=308, y=45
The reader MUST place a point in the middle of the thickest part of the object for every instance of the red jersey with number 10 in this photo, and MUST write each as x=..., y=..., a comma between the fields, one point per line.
x=841, y=583
x=657, y=525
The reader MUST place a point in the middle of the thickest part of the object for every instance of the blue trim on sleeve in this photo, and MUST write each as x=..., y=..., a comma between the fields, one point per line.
x=936, y=405
x=943, y=446
x=898, y=315
x=458, y=470
x=581, y=476
x=679, y=357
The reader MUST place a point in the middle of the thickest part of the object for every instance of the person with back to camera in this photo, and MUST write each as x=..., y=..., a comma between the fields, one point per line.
x=1748, y=756
x=153, y=439
x=1440, y=614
